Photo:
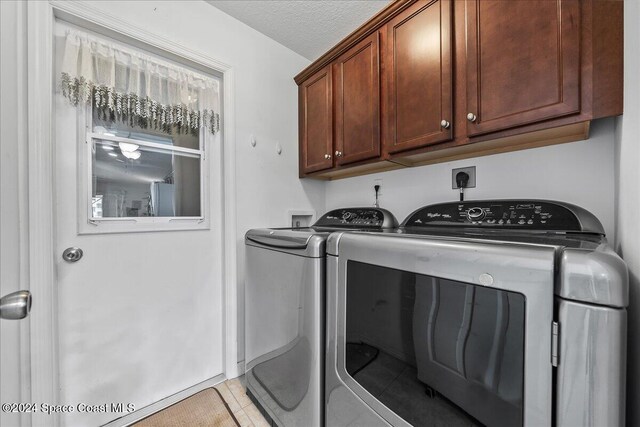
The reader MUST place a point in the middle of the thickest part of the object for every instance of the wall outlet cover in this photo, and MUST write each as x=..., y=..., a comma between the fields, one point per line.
x=471, y=170
x=301, y=218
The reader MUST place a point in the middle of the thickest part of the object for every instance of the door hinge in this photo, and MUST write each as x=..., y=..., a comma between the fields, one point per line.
x=555, y=333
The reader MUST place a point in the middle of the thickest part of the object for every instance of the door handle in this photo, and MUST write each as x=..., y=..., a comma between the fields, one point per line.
x=72, y=254
x=16, y=305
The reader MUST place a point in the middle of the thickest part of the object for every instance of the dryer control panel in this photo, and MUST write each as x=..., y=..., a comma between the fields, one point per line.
x=358, y=218
x=508, y=214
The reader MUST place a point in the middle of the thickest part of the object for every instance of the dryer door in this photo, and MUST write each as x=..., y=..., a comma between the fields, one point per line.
x=433, y=331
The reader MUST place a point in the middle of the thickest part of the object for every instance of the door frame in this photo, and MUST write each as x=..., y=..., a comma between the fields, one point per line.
x=40, y=82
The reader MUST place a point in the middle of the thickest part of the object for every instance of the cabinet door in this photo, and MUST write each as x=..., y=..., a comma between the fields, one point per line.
x=418, y=57
x=316, y=122
x=357, y=102
x=523, y=62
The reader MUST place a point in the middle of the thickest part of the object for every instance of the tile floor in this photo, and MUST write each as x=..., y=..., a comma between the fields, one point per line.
x=243, y=409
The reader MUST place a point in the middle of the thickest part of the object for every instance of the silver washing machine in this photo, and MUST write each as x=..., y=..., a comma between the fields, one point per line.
x=495, y=312
x=284, y=313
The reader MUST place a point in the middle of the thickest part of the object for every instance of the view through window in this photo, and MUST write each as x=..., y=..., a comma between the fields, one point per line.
x=141, y=173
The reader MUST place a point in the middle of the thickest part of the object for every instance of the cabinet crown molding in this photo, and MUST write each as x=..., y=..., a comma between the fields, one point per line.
x=372, y=25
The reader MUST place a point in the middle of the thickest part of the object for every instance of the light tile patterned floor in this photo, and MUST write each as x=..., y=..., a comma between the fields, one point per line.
x=243, y=409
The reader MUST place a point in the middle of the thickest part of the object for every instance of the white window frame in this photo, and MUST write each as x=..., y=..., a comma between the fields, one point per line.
x=92, y=225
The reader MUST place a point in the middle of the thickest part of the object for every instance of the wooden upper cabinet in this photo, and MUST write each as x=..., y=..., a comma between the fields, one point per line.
x=523, y=62
x=357, y=102
x=418, y=102
x=426, y=81
x=316, y=122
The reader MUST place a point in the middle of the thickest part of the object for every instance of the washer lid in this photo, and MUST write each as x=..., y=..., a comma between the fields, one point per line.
x=304, y=242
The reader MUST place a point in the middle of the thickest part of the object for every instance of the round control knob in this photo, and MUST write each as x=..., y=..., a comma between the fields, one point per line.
x=471, y=117
x=476, y=214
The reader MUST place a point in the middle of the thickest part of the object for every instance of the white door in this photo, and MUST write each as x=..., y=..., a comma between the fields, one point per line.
x=14, y=361
x=14, y=367
x=140, y=314
x=14, y=334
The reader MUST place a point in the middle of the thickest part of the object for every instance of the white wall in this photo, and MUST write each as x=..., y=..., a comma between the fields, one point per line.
x=578, y=172
x=627, y=180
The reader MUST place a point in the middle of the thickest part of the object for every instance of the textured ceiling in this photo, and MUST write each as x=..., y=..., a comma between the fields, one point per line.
x=308, y=27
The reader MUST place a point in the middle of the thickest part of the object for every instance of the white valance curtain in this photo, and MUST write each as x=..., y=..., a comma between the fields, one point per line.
x=128, y=85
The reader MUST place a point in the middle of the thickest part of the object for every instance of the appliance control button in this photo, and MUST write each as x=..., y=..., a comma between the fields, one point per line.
x=475, y=214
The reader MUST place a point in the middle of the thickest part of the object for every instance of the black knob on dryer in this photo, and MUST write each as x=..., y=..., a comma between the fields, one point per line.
x=476, y=214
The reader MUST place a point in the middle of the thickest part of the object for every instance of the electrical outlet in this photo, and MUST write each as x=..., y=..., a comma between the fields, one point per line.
x=298, y=218
x=471, y=170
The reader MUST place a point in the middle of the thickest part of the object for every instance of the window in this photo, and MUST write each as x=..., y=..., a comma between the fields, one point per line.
x=138, y=174
x=147, y=125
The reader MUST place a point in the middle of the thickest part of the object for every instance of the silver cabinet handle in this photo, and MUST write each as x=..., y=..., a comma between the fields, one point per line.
x=445, y=124
x=471, y=117
x=338, y=153
x=16, y=305
x=327, y=156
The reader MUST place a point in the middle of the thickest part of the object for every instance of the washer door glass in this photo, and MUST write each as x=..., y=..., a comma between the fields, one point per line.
x=435, y=351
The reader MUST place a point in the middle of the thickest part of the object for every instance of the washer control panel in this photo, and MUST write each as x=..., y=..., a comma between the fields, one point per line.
x=511, y=214
x=358, y=218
